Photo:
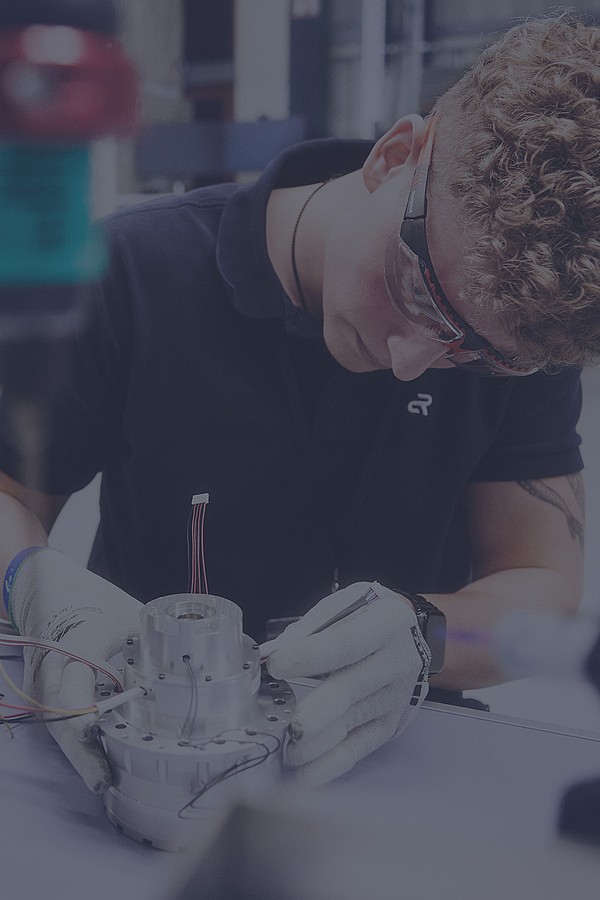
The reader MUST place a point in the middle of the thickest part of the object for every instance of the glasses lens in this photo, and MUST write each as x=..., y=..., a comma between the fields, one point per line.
x=410, y=297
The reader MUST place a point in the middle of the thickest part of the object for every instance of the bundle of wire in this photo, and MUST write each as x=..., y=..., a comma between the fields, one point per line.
x=34, y=711
x=230, y=735
x=198, y=583
x=238, y=767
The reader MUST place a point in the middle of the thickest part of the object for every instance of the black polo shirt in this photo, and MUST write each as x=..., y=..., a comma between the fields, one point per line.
x=198, y=375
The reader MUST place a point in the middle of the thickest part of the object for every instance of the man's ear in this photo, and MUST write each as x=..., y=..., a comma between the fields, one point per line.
x=399, y=145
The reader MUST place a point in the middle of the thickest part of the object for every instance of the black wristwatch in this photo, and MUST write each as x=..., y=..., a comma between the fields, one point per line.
x=432, y=624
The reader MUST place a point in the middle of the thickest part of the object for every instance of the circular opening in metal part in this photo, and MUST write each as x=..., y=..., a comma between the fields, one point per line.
x=190, y=610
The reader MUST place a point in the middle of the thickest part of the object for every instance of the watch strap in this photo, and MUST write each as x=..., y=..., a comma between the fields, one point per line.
x=432, y=623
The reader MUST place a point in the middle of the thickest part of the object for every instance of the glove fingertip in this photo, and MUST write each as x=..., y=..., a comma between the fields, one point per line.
x=295, y=731
x=100, y=786
x=98, y=778
x=273, y=666
x=103, y=785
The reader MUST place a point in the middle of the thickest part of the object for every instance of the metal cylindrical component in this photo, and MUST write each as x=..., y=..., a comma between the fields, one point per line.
x=210, y=671
x=205, y=716
x=205, y=629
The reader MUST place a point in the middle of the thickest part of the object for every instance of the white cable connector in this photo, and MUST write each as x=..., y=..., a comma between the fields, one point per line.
x=119, y=699
x=197, y=499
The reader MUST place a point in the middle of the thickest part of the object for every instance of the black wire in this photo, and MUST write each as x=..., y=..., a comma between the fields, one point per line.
x=299, y=290
x=236, y=769
x=18, y=719
x=64, y=718
x=36, y=719
x=193, y=707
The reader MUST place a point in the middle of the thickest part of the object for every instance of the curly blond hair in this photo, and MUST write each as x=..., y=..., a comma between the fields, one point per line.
x=518, y=145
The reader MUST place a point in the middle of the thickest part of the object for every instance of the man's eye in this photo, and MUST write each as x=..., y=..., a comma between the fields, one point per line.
x=419, y=291
x=431, y=330
x=414, y=295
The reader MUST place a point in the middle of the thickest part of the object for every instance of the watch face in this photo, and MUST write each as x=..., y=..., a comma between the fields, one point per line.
x=436, y=639
x=432, y=624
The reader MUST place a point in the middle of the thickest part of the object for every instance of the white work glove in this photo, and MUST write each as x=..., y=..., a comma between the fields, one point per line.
x=377, y=666
x=56, y=599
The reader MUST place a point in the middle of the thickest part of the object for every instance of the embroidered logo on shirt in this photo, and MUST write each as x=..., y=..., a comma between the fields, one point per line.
x=421, y=405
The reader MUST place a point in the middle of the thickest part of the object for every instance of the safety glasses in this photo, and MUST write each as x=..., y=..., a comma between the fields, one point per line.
x=415, y=292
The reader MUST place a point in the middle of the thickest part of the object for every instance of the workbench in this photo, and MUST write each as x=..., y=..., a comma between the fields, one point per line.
x=479, y=787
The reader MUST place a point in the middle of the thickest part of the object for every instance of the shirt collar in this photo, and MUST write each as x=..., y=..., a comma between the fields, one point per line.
x=242, y=255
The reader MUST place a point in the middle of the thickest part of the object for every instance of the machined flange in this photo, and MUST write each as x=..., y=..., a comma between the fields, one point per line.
x=206, y=725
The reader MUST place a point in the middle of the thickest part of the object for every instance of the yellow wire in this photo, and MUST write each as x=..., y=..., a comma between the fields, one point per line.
x=42, y=708
x=4, y=721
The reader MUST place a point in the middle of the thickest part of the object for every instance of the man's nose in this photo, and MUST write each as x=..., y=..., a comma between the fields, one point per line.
x=411, y=355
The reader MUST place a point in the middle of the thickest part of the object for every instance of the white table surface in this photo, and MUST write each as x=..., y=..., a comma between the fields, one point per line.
x=503, y=778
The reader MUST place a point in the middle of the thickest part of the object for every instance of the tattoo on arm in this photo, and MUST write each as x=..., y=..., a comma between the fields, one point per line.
x=542, y=491
x=576, y=485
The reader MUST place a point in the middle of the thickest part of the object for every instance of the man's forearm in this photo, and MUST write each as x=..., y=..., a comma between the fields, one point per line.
x=473, y=612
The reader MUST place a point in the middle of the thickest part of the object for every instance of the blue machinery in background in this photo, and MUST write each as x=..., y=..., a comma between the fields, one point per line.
x=212, y=149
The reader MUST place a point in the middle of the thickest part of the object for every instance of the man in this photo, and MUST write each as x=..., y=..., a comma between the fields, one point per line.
x=458, y=247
